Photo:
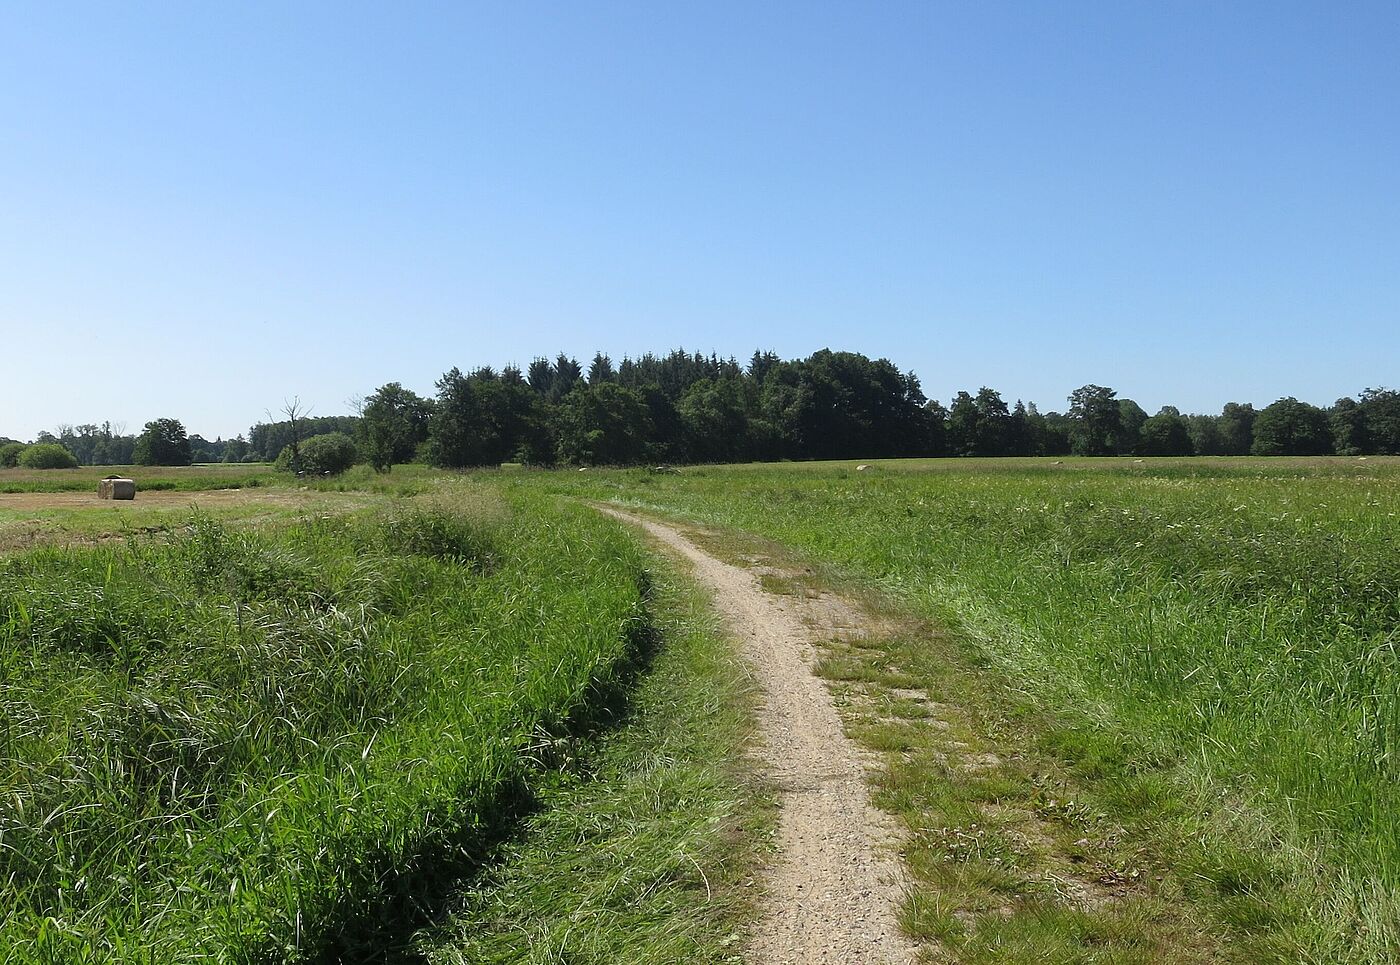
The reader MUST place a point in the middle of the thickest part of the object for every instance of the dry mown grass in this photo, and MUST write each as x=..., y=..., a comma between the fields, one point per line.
x=35, y=519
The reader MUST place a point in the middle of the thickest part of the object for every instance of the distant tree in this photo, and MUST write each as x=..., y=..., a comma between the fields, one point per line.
x=1131, y=418
x=1206, y=437
x=1381, y=408
x=202, y=450
x=1096, y=421
x=667, y=431
x=393, y=424
x=982, y=425
x=715, y=415
x=267, y=439
x=993, y=423
x=567, y=374
x=47, y=455
x=235, y=449
x=9, y=454
x=1053, y=435
x=1348, y=424
x=605, y=424
x=761, y=364
x=93, y=445
x=1291, y=428
x=328, y=455
x=964, y=427
x=481, y=420
x=1237, y=428
x=932, y=435
x=540, y=375
x=601, y=370
x=296, y=413
x=1165, y=434
x=163, y=443
x=1018, y=432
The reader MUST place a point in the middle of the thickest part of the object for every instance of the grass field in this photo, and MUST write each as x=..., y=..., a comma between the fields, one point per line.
x=641, y=850
x=456, y=719
x=149, y=478
x=1209, y=646
x=273, y=743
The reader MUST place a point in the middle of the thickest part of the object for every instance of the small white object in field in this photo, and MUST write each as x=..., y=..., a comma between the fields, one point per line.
x=583, y=469
x=1056, y=462
x=861, y=468
x=1360, y=458
x=1137, y=460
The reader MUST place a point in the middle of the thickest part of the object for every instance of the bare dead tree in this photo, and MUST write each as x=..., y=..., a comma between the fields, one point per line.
x=295, y=412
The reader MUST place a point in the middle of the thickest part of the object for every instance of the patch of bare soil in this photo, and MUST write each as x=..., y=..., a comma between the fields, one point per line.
x=28, y=502
x=832, y=889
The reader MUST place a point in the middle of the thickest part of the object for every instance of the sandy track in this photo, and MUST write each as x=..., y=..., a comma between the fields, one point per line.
x=832, y=889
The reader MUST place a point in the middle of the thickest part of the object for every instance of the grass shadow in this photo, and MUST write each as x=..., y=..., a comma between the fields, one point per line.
x=413, y=892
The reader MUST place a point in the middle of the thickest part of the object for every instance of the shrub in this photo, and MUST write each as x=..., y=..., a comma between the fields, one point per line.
x=47, y=455
x=324, y=455
x=9, y=454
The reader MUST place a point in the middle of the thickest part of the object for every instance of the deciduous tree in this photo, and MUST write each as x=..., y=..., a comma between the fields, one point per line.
x=163, y=443
x=1291, y=428
x=1096, y=421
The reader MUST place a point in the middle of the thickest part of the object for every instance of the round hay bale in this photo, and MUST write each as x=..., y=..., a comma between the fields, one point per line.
x=116, y=487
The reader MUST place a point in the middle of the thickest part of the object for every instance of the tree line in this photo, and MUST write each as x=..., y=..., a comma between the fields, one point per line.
x=684, y=407
x=165, y=442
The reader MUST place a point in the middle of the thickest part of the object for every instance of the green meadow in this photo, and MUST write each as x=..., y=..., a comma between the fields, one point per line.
x=1207, y=646
x=458, y=718
x=277, y=742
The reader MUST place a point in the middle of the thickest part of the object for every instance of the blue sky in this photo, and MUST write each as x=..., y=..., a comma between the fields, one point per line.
x=205, y=209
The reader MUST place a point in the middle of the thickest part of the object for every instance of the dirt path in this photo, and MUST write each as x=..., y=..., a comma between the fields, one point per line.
x=834, y=885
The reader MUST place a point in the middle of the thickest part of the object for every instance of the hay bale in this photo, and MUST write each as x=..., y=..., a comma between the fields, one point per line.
x=116, y=487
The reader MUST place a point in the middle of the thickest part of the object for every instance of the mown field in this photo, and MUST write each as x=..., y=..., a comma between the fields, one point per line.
x=1210, y=645
x=150, y=478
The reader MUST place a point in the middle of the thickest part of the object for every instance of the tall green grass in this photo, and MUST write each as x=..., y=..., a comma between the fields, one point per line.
x=1234, y=630
x=643, y=844
x=271, y=745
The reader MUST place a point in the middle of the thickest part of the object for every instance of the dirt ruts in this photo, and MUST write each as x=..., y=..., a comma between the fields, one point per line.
x=832, y=889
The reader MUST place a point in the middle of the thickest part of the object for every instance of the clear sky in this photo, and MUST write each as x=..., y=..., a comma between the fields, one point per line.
x=206, y=208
